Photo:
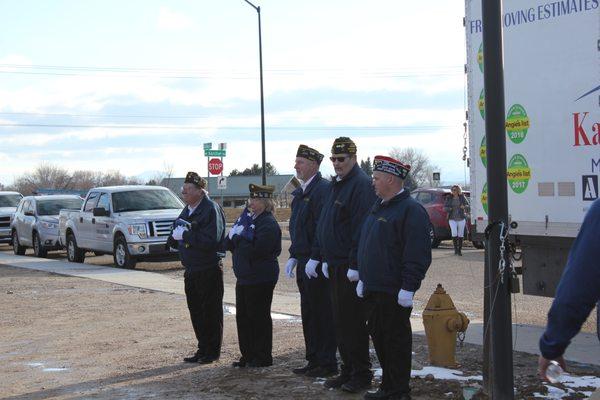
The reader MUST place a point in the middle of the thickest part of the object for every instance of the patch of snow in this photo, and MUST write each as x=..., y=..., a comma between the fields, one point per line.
x=35, y=364
x=574, y=381
x=231, y=310
x=55, y=369
x=445, y=373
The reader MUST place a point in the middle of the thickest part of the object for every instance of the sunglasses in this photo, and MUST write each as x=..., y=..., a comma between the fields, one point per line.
x=338, y=159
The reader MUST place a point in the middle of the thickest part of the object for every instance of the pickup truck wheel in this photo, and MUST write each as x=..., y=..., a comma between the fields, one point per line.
x=478, y=245
x=121, y=255
x=17, y=248
x=38, y=247
x=74, y=253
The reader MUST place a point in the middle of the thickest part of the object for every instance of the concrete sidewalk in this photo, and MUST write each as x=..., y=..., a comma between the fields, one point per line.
x=585, y=347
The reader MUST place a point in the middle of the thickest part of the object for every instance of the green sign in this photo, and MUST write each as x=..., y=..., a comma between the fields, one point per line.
x=517, y=123
x=480, y=57
x=207, y=146
x=481, y=104
x=214, y=153
x=518, y=173
x=483, y=152
x=484, y=198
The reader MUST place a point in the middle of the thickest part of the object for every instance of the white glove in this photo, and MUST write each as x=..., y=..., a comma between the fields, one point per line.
x=352, y=275
x=311, y=268
x=289, y=267
x=178, y=232
x=325, y=270
x=360, y=289
x=405, y=298
x=235, y=230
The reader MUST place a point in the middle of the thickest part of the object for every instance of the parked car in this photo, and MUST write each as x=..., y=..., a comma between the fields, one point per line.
x=35, y=223
x=433, y=200
x=8, y=205
x=130, y=222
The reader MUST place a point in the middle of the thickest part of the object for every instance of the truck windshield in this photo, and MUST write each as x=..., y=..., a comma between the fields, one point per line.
x=10, y=200
x=142, y=200
x=53, y=207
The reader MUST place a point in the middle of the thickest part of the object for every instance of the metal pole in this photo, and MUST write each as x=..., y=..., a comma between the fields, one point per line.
x=500, y=312
x=262, y=101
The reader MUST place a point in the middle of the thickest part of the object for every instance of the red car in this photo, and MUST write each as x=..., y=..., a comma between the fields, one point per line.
x=433, y=200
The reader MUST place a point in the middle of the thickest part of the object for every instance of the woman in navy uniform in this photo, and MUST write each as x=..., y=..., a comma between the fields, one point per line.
x=255, y=243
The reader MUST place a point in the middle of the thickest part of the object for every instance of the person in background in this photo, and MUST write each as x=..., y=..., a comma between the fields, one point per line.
x=577, y=293
x=394, y=254
x=457, y=207
x=255, y=243
x=347, y=204
x=198, y=235
x=305, y=253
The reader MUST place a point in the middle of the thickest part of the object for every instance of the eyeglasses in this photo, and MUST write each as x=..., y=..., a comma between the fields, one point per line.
x=338, y=159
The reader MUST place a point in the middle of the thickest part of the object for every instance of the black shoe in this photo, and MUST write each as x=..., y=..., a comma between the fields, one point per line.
x=321, y=372
x=208, y=360
x=195, y=358
x=239, y=364
x=304, y=370
x=382, y=394
x=337, y=382
x=259, y=364
x=356, y=385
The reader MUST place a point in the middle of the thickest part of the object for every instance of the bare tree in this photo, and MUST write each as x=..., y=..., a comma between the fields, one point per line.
x=421, y=171
x=165, y=175
x=47, y=176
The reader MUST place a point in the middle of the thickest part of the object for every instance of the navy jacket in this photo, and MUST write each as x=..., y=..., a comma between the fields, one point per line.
x=203, y=242
x=578, y=289
x=343, y=213
x=256, y=261
x=306, y=209
x=395, y=245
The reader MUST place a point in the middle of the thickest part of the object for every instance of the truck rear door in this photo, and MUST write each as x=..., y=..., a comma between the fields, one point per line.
x=84, y=222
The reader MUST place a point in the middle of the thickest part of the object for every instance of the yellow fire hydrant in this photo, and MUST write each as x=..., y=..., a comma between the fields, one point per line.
x=442, y=322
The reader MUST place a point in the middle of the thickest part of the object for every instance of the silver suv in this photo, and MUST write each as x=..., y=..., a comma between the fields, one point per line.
x=35, y=223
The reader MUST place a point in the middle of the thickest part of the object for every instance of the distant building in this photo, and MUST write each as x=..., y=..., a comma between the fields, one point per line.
x=237, y=193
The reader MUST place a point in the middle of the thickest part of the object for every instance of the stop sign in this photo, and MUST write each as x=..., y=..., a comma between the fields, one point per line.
x=215, y=166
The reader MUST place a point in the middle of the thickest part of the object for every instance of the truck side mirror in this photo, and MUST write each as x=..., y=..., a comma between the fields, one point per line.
x=100, y=212
x=29, y=213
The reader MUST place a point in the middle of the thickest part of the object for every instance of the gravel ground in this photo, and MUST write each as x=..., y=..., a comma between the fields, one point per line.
x=66, y=337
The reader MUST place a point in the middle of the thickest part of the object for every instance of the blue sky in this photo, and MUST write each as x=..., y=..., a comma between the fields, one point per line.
x=139, y=85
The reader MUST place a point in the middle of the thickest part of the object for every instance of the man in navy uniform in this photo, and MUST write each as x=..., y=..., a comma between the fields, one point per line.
x=577, y=293
x=338, y=231
x=393, y=257
x=315, y=300
x=198, y=235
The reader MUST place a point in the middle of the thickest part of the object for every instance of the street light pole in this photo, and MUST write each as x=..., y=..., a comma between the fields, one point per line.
x=262, y=101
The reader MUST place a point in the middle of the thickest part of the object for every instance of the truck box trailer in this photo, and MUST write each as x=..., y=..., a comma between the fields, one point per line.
x=552, y=101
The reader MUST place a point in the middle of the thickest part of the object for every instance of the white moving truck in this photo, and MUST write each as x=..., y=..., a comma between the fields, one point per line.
x=552, y=100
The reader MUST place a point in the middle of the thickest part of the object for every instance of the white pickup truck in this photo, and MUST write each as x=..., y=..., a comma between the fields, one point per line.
x=130, y=222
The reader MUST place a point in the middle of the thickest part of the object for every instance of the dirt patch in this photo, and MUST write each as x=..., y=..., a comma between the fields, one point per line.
x=65, y=337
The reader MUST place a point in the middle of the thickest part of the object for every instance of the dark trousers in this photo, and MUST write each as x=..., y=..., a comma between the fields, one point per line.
x=204, y=293
x=317, y=317
x=254, y=324
x=350, y=325
x=389, y=326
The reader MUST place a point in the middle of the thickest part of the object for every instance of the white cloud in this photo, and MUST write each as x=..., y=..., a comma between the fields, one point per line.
x=170, y=20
